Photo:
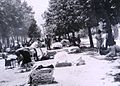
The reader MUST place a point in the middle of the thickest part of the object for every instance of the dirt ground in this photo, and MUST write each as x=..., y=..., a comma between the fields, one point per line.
x=95, y=72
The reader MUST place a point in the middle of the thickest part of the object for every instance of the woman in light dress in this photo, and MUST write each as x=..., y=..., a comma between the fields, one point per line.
x=99, y=40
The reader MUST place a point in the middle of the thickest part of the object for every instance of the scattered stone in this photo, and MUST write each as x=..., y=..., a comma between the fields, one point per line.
x=80, y=61
x=41, y=75
x=63, y=64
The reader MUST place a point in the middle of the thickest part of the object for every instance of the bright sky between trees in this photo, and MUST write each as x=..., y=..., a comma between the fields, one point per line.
x=39, y=6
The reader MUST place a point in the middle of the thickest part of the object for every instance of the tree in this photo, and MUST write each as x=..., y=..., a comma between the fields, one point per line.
x=108, y=11
x=13, y=14
x=95, y=11
x=34, y=31
x=88, y=18
x=71, y=15
x=63, y=15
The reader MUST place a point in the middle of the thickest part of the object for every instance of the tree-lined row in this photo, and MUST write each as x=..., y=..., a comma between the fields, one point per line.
x=69, y=16
x=15, y=20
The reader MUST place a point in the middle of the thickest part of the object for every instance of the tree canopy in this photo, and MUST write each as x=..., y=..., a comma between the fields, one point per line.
x=14, y=14
x=34, y=31
x=65, y=16
x=69, y=15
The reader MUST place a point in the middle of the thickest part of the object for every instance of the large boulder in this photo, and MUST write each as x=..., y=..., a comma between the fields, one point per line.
x=63, y=59
x=41, y=75
x=80, y=61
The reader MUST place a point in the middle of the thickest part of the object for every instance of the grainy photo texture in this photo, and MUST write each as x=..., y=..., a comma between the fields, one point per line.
x=59, y=42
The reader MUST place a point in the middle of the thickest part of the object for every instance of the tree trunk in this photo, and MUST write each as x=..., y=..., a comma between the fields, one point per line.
x=110, y=39
x=90, y=37
x=3, y=43
x=13, y=41
x=8, y=42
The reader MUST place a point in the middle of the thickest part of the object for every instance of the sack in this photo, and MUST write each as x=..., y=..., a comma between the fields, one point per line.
x=41, y=75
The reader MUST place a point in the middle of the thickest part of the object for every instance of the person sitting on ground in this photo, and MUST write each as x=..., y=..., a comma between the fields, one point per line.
x=111, y=51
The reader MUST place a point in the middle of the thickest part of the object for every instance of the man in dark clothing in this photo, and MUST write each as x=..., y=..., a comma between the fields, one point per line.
x=48, y=42
x=78, y=40
x=59, y=39
x=73, y=41
x=25, y=57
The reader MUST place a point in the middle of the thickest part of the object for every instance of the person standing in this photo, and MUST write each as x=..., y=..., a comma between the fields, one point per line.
x=73, y=40
x=59, y=38
x=48, y=42
x=99, y=40
x=78, y=40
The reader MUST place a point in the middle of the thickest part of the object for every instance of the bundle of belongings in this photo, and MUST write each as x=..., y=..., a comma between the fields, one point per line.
x=65, y=43
x=56, y=45
x=41, y=75
x=74, y=49
x=10, y=60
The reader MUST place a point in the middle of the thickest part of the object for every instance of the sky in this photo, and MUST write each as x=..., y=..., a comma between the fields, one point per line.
x=39, y=6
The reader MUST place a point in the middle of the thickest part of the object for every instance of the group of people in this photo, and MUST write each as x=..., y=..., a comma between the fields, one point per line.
x=106, y=45
x=73, y=40
x=25, y=54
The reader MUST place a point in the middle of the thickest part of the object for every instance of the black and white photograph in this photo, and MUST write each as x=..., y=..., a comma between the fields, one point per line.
x=59, y=42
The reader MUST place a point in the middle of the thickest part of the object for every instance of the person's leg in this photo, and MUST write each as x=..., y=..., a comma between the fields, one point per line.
x=49, y=47
x=35, y=55
x=25, y=66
